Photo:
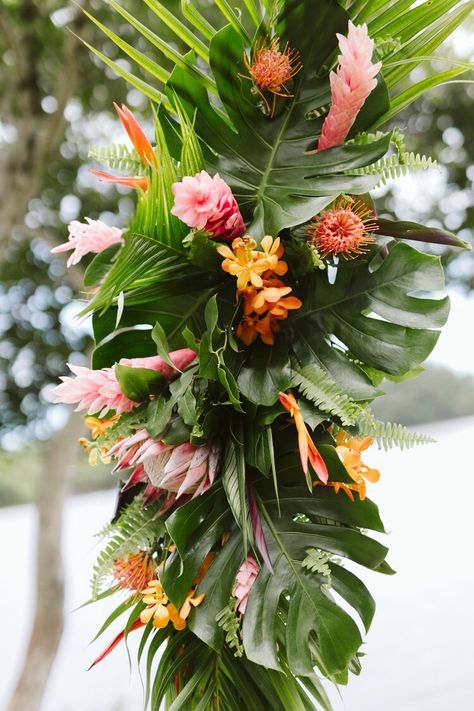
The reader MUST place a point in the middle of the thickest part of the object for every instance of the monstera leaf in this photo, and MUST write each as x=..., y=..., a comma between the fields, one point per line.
x=263, y=159
x=379, y=313
x=300, y=521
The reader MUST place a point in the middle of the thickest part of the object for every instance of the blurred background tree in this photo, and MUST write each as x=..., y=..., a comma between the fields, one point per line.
x=56, y=101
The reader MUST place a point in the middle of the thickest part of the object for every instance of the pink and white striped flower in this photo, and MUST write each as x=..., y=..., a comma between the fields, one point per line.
x=93, y=236
x=181, y=470
x=245, y=579
x=98, y=391
x=206, y=203
x=351, y=84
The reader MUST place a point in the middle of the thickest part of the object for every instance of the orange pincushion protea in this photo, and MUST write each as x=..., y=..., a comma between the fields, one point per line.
x=271, y=69
x=343, y=230
x=134, y=572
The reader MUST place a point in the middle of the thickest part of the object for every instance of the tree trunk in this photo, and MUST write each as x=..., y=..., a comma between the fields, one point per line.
x=60, y=459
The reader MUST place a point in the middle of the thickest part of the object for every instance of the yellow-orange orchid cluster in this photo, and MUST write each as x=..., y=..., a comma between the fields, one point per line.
x=162, y=611
x=307, y=448
x=350, y=450
x=141, y=144
x=266, y=297
x=97, y=453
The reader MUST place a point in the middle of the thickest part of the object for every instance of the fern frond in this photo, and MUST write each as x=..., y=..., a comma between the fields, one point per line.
x=395, y=166
x=229, y=621
x=317, y=561
x=119, y=157
x=389, y=434
x=316, y=385
x=137, y=529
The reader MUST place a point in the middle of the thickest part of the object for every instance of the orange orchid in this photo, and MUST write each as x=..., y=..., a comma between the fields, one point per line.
x=272, y=250
x=349, y=450
x=99, y=426
x=306, y=445
x=240, y=261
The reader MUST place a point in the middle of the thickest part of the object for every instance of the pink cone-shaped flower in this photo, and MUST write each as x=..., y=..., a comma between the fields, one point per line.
x=98, y=391
x=351, y=84
x=205, y=203
x=183, y=469
x=245, y=578
x=95, y=236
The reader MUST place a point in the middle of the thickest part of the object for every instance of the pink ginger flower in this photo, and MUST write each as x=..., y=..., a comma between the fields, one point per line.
x=95, y=236
x=180, y=470
x=205, y=203
x=245, y=579
x=98, y=391
x=351, y=84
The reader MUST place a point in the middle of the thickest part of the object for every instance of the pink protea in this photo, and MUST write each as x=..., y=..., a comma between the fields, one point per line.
x=92, y=236
x=245, y=579
x=351, y=84
x=98, y=391
x=181, y=470
x=205, y=203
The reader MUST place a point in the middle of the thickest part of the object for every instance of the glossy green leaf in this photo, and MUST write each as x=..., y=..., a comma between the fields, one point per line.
x=403, y=331
x=138, y=383
x=266, y=373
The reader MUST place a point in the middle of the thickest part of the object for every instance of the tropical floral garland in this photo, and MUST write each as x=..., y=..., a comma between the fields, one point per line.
x=244, y=323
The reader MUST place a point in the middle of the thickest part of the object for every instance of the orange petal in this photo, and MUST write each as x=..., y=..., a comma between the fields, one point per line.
x=137, y=182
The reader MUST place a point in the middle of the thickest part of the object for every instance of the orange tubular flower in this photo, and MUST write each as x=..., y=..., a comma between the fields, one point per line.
x=343, y=230
x=271, y=69
x=137, y=136
x=134, y=572
x=306, y=445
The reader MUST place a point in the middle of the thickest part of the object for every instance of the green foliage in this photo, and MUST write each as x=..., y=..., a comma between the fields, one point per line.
x=119, y=157
x=318, y=562
x=403, y=334
x=388, y=434
x=137, y=529
x=228, y=619
x=316, y=385
x=395, y=166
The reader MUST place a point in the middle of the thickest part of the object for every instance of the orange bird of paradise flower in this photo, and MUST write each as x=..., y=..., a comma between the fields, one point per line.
x=141, y=144
x=308, y=450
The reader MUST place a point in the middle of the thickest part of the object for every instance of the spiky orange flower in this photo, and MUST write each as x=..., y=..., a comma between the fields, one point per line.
x=271, y=69
x=344, y=229
x=134, y=572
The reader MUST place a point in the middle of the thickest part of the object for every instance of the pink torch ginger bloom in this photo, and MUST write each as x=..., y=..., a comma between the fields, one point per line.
x=98, y=391
x=245, y=579
x=205, y=203
x=93, y=237
x=181, y=470
x=351, y=84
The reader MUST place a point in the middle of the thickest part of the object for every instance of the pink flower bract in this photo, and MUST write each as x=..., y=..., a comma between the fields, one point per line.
x=98, y=391
x=205, y=203
x=180, y=470
x=351, y=84
x=92, y=236
x=245, y=579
